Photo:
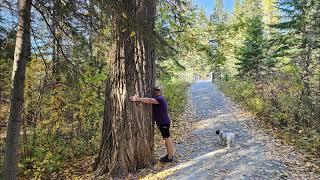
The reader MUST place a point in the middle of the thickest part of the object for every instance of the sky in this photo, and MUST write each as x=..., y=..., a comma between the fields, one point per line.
x=208, y=5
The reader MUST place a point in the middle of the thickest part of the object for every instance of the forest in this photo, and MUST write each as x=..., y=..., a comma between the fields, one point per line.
x=68, y=67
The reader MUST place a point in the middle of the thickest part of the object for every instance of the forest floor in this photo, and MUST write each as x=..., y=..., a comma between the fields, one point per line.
x=257, y=153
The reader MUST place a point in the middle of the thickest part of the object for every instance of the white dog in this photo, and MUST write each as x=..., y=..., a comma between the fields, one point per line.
x=227, y=138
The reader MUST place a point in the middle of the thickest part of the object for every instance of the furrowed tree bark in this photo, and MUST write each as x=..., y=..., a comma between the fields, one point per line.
x=128, y=129
x=21, y=55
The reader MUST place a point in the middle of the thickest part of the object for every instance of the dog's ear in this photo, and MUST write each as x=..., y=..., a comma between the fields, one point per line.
x=218, y=132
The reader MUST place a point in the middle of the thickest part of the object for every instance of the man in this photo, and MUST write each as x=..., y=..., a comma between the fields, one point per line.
x=160, y=115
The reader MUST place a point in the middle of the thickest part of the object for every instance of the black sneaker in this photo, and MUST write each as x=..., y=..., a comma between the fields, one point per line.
x=165, y=159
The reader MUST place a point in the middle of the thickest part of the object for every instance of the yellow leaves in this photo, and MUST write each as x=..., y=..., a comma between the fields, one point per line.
x=48, y=156
x=124, y=15
x=132, y=34
x=76, y=114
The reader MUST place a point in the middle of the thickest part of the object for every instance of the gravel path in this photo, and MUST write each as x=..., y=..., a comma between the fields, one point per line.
x=255, y=155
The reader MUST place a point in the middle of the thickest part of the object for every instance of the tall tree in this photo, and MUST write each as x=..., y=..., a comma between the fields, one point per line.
x=251, y=55
x=315, y=20
x=21, y=55
x=252, y=7
x=270, y=12
x=127, y=137
x=218, y=15
x=219, y=20
x=7, y=44
x=297, y=24
x=57, y=63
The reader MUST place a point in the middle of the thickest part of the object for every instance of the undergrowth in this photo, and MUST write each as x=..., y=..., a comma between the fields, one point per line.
x=276, y=108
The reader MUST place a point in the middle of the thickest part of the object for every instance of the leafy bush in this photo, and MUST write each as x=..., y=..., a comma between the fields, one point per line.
x=245, y=93
x=62, y=120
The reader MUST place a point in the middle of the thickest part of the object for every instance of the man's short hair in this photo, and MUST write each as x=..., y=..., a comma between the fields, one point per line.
x=157, y=89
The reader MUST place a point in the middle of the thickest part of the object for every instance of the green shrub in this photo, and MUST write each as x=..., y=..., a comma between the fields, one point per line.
x=175, y=92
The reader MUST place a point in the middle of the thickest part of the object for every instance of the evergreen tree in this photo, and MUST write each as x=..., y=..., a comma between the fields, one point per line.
x=219, y=20
x=218, y=15
x=251, y=55
x=296, y=25
x=21, y=56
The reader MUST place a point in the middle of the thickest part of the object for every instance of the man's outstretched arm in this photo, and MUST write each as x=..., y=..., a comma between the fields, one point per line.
x=143, y=100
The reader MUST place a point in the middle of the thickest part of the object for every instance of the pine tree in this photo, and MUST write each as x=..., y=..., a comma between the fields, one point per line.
x=218, y=15
x=21, y=56
x=219, y=20
x=298, y=27
x=251, y=54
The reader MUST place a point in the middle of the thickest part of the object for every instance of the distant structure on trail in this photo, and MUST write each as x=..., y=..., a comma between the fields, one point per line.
x=196, y=77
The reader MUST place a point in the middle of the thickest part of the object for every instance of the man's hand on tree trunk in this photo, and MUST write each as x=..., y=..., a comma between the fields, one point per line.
x=134, y=98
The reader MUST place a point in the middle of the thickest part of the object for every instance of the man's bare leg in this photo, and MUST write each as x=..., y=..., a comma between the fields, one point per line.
x=170, y=147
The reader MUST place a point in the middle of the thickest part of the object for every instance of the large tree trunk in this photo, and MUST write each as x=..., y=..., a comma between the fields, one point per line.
x=21, y=55
x=127, y=141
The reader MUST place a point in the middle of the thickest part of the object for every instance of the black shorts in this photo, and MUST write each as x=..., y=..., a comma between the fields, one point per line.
x=165, y=132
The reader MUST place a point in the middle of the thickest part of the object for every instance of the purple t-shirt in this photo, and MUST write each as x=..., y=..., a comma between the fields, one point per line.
x=160, y=111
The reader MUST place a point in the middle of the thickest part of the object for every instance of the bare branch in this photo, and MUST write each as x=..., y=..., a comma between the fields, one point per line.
x=41, y=54
x=59, y=45
x=8, y=34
